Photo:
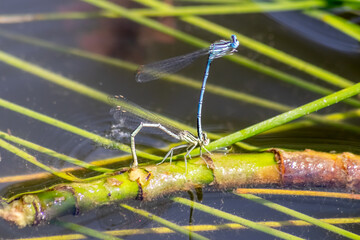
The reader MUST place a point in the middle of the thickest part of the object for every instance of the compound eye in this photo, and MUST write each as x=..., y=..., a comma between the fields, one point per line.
x=234, y=41
x=233, y=38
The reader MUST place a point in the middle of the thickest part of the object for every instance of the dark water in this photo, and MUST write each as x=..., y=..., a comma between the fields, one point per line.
x=292, y=33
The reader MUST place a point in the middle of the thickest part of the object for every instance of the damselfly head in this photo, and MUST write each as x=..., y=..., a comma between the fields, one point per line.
x=234, y=42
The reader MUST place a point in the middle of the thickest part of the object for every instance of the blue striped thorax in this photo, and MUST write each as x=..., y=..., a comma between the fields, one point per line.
x=222, y=48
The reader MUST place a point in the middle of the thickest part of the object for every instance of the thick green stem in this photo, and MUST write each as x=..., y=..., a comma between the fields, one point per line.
x=148, y=182
x=153, y=181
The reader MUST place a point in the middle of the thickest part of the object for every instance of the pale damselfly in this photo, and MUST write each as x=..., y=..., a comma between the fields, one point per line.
x=122, y=117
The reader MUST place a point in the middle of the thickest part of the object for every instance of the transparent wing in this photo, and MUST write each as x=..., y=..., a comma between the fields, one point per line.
x=126, y=121
x=124, y=111
x=153, y=71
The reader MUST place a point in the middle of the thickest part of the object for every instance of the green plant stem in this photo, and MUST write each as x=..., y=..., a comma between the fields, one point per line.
x=150, y=182
x=256, y=46
x=236, y=219
x=164, y=222
x=147, y=182
x=301, y=216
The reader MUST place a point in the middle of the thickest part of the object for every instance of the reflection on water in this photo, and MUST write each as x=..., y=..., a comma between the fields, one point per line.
x=309, y=39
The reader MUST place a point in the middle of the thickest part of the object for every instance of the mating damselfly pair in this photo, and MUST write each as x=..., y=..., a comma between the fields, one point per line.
x=159, y=69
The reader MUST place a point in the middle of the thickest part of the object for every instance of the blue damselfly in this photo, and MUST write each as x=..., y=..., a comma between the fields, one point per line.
x=157, y=70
